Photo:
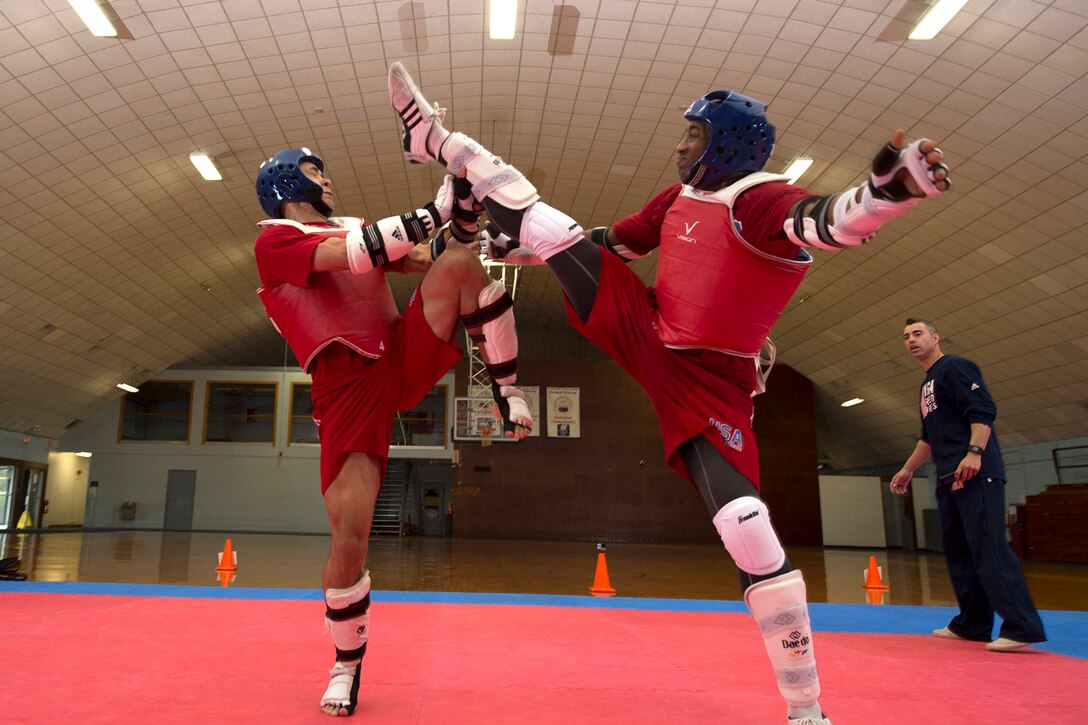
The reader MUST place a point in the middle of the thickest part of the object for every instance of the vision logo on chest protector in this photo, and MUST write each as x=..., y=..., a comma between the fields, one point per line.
x=688, y=229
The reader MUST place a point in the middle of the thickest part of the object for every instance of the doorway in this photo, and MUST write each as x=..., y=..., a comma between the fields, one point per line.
x=180, y=498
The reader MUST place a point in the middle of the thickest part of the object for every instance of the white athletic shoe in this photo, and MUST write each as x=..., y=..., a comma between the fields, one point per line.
x=946, y=633
x=423, y=133
x=810, y=721
x=1004, y=644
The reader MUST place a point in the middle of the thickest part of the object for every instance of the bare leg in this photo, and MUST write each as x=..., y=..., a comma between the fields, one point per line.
x=349, y=501
x=456, y=288
x=451, y=289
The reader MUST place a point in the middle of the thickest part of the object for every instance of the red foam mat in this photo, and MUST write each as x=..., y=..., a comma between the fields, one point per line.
x=119, y=659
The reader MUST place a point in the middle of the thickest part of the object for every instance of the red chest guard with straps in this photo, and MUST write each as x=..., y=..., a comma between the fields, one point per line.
x=357, y=310
x=715, y=290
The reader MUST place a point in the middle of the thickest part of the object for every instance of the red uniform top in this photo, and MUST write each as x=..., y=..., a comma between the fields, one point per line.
x=312, y=309
x=726, y=268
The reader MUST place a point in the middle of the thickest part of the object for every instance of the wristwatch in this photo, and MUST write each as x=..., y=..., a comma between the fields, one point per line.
x=976, y=449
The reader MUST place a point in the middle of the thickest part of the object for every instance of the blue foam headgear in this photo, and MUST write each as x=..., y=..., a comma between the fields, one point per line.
x=280, y=179
x=741, y=137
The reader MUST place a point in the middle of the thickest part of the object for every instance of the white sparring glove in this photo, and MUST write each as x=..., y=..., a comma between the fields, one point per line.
x=443, y=201
x=497, y=246
x=891, y=167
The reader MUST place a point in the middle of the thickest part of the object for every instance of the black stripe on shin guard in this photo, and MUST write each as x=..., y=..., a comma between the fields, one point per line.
x=357, y=609
x=502, y=370
x=350, y=655
x=489, y=313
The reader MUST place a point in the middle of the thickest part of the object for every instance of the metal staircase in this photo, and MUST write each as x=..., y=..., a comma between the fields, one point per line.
x=389, y=508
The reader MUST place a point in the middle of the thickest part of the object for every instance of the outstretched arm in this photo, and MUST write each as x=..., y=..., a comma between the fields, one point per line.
x=902, y=175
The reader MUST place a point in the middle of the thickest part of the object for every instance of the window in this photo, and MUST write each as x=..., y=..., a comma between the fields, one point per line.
x=425, y=424
x=302, y=428
x=241, y=413
x=159, y=412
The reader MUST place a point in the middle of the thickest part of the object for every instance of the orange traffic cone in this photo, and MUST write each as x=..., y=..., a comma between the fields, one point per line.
x=872, y=576
x=228, y=560
x=601, y=587
x=225, y=576
x=875, y=596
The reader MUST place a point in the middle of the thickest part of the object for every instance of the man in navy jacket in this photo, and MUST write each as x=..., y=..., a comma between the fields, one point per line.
x=957, y=433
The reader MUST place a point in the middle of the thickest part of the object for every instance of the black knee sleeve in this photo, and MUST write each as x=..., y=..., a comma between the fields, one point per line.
x=506, y=219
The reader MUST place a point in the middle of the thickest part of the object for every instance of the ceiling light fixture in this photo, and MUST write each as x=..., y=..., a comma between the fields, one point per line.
x=798, y=167
x=938, y=15
x=852, y=402
x=205, y=166
x=84, y=454
x=504, y=17
x=92, y=15
x=128, y=388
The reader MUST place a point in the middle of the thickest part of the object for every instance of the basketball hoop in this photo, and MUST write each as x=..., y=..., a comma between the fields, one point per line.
x=485, y=436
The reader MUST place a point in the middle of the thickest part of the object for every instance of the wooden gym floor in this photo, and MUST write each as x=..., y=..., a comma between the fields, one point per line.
x=523, y=567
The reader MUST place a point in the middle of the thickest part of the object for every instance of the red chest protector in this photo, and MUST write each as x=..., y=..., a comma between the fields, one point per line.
x=357, y=310
x=715, y=290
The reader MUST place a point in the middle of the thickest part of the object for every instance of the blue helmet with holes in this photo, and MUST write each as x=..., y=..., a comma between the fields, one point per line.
x=280, y=179
x=741, y=138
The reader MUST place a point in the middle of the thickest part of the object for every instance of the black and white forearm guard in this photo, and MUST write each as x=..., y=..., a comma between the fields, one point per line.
x=389, y=239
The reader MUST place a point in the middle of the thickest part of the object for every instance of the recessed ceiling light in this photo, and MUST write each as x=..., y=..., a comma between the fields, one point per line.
x=205, y=166
x=798, y=167
x=852, y=402
x=90, y=12
x=938, y=15
x=504, y=17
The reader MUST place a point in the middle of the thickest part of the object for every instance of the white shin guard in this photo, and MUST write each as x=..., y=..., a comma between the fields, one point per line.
x=498, y=337
x=489, y=175
x=781, y=611
x=347, y=617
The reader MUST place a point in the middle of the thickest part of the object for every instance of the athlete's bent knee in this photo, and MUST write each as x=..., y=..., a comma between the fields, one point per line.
x=745, y=527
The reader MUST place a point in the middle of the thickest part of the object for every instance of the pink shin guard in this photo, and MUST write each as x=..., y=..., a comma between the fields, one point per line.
x=347, y=617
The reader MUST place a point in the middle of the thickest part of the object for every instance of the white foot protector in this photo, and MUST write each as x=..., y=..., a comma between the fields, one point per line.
x=421, y=121
x=512, y=408
x=343, y=690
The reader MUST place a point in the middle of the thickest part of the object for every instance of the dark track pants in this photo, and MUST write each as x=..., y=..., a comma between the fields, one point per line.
x=986, y=575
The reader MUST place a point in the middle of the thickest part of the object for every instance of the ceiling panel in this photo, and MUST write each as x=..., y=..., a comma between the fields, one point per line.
x=119, y=261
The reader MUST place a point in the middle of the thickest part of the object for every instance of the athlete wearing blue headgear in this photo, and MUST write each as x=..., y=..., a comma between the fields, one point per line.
x=324, y=287
x=281, y=179
x=730, y=242
x=740, y=139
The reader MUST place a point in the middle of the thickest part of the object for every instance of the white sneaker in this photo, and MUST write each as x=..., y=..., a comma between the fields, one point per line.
x=810, y=721
x=1004, y=644
x=946, y=633
x=423, y=133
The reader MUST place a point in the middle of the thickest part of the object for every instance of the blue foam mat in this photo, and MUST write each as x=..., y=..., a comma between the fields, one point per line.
x=1068, y=631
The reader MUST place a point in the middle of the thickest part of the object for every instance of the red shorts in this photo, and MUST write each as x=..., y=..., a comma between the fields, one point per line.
x=695, y=392
x=355, y=397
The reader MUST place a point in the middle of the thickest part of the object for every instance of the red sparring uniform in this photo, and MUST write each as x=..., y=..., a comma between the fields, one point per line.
x=366, y=361
x=725, y=272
